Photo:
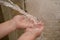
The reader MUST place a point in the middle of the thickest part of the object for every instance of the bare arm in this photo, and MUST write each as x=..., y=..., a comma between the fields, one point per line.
x=6, y=28
x=11, y=25
x=27, y=36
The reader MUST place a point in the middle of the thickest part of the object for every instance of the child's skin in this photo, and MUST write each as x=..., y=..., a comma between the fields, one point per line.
x=19, y=22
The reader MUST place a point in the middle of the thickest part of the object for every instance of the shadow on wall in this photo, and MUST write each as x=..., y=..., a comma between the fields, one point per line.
x=1, y=21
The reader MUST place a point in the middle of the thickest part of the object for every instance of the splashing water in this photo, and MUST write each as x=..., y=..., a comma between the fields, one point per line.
x=17, y=8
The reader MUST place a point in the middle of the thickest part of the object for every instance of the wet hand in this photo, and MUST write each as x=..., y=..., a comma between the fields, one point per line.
x=22, y=22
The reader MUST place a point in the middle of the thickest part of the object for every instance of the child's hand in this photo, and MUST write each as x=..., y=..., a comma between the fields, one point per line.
x=32, y=33
x=36, y=30
x=22, y=22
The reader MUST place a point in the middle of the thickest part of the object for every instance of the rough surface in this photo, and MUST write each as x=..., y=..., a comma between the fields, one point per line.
x=49, y=12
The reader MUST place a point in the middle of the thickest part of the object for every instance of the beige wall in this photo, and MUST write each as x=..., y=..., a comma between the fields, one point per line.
x=49, y=12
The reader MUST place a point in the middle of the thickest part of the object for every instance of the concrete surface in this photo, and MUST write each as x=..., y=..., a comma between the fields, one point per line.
x=49, y=12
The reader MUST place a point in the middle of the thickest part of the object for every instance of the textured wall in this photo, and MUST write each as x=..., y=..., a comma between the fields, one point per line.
x=49, y=12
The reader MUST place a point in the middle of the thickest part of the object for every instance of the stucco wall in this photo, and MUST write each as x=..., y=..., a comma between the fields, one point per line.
x=49, y=12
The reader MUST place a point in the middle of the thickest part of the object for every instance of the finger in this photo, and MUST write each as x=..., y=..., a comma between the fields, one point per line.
x=40, y=23
x=22, y=17
x=30, y=25
x=40, y=29
x=19, y=17
x=30, y=20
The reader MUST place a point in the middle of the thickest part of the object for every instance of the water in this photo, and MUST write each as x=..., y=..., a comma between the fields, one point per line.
x=10, y=4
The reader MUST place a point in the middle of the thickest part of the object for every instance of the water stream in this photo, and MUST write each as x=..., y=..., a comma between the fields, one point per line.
x=10, y=4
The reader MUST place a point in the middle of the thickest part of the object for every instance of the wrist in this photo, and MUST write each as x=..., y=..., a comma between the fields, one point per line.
x=27, y=36
x=31, y=34
x=12, y=24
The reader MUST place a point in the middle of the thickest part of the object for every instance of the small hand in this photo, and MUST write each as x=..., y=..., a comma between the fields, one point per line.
x=36, y=30
x=32, y=32
x=22, y=22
